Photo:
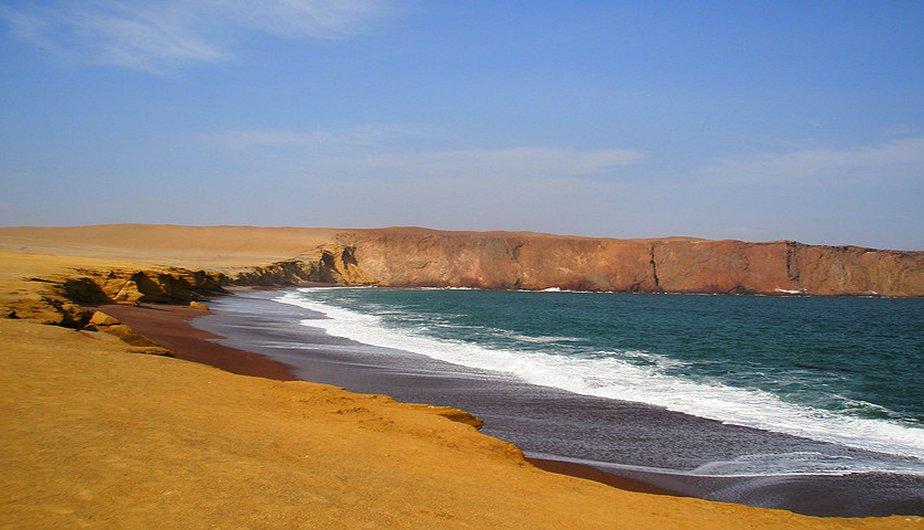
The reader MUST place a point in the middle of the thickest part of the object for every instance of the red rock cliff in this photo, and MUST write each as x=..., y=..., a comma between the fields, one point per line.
x=418, y=257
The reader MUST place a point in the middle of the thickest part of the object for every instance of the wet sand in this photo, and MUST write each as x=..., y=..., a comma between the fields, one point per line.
x=592, y=473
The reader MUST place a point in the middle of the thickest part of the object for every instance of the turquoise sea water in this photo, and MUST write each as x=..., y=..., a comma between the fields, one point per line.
x=841, y=370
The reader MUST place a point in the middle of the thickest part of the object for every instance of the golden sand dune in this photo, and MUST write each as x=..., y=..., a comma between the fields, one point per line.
x=210, y=247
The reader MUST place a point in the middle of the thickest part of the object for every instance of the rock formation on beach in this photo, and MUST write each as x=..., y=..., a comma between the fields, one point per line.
x=62, y=299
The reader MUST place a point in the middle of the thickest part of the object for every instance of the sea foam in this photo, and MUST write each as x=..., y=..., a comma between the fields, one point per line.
x=618, y=379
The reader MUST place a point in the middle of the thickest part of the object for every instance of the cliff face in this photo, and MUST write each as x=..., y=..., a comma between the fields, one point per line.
x=412, y=257
x=785, y=266
x=494, y=260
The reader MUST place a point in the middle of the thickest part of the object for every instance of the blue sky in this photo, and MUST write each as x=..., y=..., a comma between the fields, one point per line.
x=755, y=121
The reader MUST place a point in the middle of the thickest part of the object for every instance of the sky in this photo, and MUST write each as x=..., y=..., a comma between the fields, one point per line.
x=744, y=120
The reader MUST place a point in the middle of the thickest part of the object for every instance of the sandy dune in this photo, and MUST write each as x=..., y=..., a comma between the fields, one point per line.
x=208, y=247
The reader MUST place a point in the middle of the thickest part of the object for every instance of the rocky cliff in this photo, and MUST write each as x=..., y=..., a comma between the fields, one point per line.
x=493, y=260
x=416, y=257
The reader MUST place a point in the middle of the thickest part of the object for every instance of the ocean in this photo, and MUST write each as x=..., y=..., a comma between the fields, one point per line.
x=794, y=402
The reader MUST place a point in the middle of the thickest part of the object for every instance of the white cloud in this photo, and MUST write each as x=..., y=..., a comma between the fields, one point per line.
x=902, y=158
x=160, y=36
x=512, y=162
x=377, y=151
x=360, y=136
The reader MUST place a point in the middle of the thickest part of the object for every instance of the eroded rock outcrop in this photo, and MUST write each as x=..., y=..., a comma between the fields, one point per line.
x=109, y=324
x=63, y=298
x=326, y=264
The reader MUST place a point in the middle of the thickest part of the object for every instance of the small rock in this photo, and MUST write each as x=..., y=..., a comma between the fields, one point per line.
x=102, y=319
x=152, y=350
x=199, y=306
x=127, y=334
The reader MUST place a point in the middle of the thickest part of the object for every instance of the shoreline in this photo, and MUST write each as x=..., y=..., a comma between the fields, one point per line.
x=641, y=440
x=107, y=436
x=169, y=326
x=253, y=324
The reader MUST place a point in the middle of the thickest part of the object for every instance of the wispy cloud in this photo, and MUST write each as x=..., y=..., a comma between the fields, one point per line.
x=369, y=135
x=382, y=150
x=500, y=163
x=160, y=36
x=902, y=158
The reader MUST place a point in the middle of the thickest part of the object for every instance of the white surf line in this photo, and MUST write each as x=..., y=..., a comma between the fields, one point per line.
x=617, y=379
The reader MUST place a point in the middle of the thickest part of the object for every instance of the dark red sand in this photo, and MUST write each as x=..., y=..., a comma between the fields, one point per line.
x=168, y=326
